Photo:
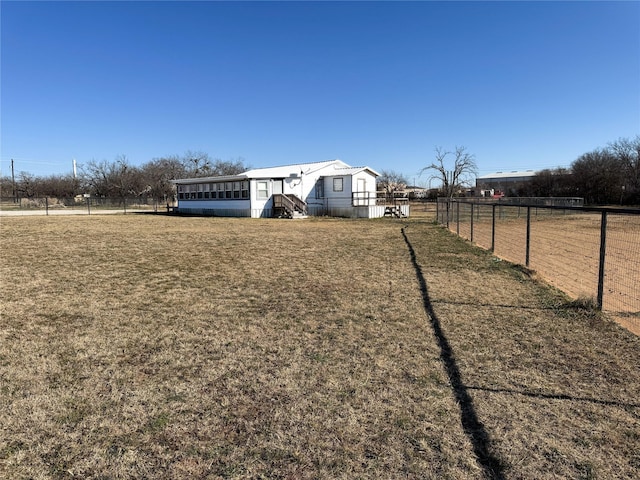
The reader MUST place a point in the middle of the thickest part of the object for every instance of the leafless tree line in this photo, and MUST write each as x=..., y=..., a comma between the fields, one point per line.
x=120, y=179
x=609, y=175
x=605, y=176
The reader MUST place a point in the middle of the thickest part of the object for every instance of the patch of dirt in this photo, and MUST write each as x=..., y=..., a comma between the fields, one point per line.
x=565, y=252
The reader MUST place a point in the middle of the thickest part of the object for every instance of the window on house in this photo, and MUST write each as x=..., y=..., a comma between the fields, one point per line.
x=320, y=188
x=217, y=190
x=338, y=184
x=263, y=189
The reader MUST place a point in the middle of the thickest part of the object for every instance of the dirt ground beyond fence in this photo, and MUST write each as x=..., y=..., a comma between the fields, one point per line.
x=565, y=251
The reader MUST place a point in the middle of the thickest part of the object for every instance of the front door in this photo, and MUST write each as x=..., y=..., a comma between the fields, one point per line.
x=361, y=192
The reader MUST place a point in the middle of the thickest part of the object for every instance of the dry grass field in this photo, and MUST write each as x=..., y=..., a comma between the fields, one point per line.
x=148, y=346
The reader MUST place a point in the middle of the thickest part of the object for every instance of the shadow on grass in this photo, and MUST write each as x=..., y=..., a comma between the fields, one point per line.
x=472, y=426
x=555, y=396
x=497, y=305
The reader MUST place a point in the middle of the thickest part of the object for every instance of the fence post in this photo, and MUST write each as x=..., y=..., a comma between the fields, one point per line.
x=493, y=228
x=472, y=222
x=603, y=248
x=457, y=218
x=88, y=205
x=46, y=205
x=528, y=243
x=448, y=208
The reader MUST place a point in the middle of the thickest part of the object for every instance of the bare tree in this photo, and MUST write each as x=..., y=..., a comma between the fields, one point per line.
x=59, y=186
x=628, y=153
x=129, y=179
x=6, y=187
x=99, y=177
x=599, y=177
x=157, y=175
x=200, y=164
x=549, y=183
x=453, y=176
x=114, y=179
x=197, y=164
x=391, y=182
x=228, y=167
x=28, y=185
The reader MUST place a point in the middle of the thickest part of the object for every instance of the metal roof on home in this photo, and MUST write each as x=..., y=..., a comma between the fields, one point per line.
x=288, y=170
x=184, y=181
x=283, y=171
x=354, y=171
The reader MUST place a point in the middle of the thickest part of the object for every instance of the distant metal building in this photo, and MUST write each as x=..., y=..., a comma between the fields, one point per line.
x=502, y=183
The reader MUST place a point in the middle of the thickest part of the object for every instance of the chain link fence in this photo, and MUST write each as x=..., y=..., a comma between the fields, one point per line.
x=590, y=253
x=81, y=205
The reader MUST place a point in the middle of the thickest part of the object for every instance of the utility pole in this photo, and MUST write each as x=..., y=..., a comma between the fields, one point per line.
x=13, y=183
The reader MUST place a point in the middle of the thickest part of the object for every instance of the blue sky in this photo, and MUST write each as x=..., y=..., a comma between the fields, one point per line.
x=522, y=85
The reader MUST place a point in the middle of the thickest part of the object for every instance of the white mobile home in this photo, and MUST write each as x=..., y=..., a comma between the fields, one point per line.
x=321, y=188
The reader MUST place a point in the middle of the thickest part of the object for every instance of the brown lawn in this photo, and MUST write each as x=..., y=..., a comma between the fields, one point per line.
x=146, y=346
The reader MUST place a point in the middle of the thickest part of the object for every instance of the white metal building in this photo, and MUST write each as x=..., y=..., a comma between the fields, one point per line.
x=504, y=181
x=320, y=188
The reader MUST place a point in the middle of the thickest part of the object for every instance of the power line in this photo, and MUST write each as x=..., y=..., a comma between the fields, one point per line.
x=35, y=162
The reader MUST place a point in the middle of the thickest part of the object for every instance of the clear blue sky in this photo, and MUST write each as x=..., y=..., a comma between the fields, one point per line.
x=523, y=85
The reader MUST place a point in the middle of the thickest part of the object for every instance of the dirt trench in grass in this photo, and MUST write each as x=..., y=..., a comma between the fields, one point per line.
x=168, y=347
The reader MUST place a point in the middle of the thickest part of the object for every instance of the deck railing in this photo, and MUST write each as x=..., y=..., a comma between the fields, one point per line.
x=298, y=203
x=290, y=203
x=365, y=199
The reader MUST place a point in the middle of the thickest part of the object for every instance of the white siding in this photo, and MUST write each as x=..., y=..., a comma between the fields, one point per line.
x=218, y=208
x=313, y=183
x=337, y=199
